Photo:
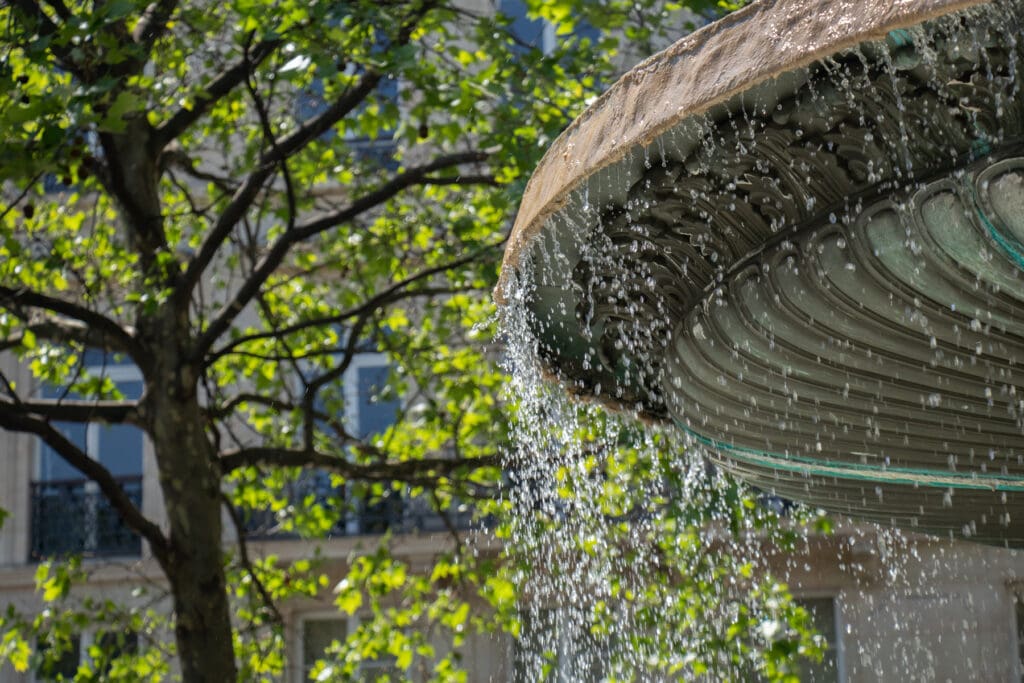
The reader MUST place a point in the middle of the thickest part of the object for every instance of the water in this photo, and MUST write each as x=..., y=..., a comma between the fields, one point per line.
x=818, y=289
x=723, y=265
x=609, y=513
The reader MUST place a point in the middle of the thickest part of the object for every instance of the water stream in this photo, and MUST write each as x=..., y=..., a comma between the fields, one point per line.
x=817, y=286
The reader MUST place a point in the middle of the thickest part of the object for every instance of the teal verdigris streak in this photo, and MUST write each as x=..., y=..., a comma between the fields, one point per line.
x=1010, y=245
x=860, y=472
x=901, y=37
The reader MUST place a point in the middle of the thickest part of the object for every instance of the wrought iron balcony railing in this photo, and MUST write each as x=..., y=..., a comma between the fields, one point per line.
x=397, y=515
x=72, y=517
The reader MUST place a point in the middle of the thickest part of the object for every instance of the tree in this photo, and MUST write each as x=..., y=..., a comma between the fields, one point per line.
x=251, y=195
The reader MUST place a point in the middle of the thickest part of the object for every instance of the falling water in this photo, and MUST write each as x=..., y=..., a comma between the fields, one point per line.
x=818, y=289
x=609, y=512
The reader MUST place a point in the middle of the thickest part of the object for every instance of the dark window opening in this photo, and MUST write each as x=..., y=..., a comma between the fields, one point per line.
x=69, y=514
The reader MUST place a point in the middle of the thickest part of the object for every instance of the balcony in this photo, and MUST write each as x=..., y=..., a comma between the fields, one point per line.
x=397, y=515
x=72, y=517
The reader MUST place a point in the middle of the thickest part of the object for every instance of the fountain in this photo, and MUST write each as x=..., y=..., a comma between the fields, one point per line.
x=798, y=235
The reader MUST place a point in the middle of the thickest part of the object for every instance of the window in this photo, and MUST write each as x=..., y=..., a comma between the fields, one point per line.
x=75, y=652
x=61, y=667
x=320, y=633
x=824, y=618
x=317, y=636
x=366, y=413
x=527, y=33
x=68, y=512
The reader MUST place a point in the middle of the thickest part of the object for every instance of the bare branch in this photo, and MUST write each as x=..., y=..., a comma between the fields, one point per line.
x=355, y=334
x=271, y=138
x=392, y=294
x=442, y=512
x=175, y=158
x=225, y=409
x=416, y=176
x=8, y=387
x=92, y=470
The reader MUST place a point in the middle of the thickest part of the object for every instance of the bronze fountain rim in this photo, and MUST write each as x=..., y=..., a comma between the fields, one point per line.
x=757, y=44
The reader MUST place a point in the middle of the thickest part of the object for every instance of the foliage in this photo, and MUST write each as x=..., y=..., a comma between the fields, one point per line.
x=661, y=566
x=243, y=199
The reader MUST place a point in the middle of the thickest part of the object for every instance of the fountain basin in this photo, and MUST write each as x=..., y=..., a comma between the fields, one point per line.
x=797, y=236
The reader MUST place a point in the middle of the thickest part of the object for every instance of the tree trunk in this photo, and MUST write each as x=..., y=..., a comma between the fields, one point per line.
x=190, y=481
x=190, y=476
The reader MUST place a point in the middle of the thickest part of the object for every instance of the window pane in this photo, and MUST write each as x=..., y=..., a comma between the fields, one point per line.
x=374, y=415
x=120, y=446
x=121, y=449
x=317, y=636
x=527, y=32
x=823, y=617
x=52, y=467
x=61, y=667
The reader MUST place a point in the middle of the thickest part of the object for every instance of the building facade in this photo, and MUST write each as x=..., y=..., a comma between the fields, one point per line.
x=890, y=607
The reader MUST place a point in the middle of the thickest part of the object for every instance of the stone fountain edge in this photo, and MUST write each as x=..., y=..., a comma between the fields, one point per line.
x=699, y=71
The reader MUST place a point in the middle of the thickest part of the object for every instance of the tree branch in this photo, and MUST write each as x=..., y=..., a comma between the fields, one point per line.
x=418, y=175
x=271, y=138
x=243, y=198
x=425, y=471
x=277, y=252
x=153, y=23
x=62, y=331
x=21, y=195
x=247, y=192
x=64, y=410
x=132, y=178
x=61, y=9
x=95, y=472
x=396, y=292
x=100, y=325
x=225, y=409
x=246, y=561
x=218, y=88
